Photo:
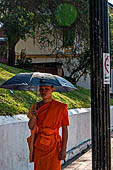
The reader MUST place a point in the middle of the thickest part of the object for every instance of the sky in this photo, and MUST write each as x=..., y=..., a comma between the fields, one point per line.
x=111, y=1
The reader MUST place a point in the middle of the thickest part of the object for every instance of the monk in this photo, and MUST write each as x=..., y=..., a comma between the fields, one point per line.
x=48, y=116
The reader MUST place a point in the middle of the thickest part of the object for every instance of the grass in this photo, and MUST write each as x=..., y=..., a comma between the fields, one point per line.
x=18, y=102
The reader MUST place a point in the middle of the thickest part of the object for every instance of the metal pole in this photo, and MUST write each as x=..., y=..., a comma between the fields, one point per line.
x=100, y=110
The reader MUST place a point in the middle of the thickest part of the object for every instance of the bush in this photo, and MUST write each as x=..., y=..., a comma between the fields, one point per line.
x=23, y=61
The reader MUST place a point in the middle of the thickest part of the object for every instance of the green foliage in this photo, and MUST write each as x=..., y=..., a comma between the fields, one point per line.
x=77, y=66
x=23, y=61
x=68, y=37
x=51, y=33
x=17, y=22
x=79, y=98
x=3, y=51
x=11, y=102
x=37, y=19
x=65, y=14
x=59, y=36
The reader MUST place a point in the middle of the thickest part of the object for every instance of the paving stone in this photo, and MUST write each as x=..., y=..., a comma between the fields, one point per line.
x=85, y=161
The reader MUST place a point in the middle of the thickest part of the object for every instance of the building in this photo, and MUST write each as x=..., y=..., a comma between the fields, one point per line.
x=42, y=60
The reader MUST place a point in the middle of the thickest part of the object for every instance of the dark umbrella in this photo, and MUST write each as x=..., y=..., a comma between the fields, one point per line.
x=32, y=81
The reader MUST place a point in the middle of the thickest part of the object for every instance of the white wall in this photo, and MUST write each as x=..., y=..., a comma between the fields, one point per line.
x=13, y=146
x=14, y=131
x=79, y=130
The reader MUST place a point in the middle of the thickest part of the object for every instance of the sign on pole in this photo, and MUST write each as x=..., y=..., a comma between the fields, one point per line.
x=106, y=68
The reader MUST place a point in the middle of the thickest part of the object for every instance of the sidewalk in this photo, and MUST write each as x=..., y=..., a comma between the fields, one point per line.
x=85, y=161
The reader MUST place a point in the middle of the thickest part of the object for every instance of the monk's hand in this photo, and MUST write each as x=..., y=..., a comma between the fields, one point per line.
x=34, y=113
x=62, y=154
x=32, y=121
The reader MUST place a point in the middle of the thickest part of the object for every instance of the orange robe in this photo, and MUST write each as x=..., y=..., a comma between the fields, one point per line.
x=51, y=116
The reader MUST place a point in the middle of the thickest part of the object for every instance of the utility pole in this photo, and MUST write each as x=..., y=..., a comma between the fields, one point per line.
x=100, y=80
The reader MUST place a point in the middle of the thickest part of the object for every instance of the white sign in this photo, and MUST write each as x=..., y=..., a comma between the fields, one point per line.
x=106, y=68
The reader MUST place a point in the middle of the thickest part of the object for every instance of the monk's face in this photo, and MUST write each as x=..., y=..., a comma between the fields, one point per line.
x=46, y=92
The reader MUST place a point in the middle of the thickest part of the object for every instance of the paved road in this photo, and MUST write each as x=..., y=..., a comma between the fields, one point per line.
x=85, y=161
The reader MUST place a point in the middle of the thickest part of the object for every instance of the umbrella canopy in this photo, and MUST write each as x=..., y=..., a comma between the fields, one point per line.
x=32, y=81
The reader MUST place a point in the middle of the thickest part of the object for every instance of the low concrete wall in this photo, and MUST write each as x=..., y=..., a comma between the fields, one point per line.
x=111, y=118
x=79, y=130
x=13, y=146
x=14, y=131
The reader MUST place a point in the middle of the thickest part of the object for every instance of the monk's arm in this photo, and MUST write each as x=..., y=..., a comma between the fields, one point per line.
x=62, y=154
x=32, y=122
x=32, y=116
x=64, y=137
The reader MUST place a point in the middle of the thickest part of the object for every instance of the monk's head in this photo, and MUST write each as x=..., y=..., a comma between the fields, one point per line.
x=46, y=91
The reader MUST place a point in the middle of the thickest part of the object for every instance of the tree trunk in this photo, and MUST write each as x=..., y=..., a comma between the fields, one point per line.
x=11, y=56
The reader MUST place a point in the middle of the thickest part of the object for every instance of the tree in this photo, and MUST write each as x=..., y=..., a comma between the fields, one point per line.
x=51, y=33
x=37, y=18
x=76, y=66
x=17, y=23
x=74, y=36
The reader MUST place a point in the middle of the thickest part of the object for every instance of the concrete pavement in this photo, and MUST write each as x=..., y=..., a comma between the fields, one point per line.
x=85, y=161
